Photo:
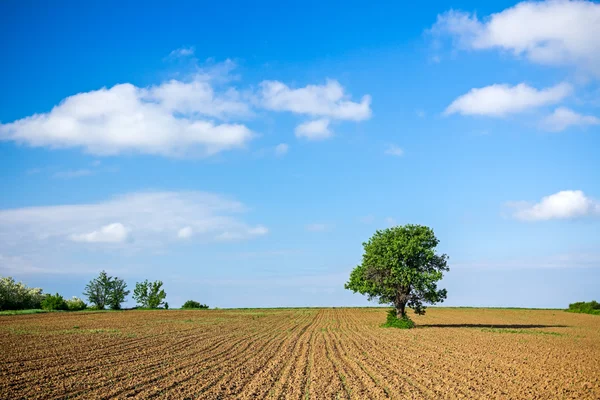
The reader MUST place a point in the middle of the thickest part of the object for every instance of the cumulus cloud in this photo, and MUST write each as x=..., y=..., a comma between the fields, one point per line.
x=183, y=52
x=314, y=130
x=111, y=233
x=317, y=227
x=563, y=118
x=236, y=235
x=393, y=150
x=500, y=99
x=367, y=219
x=191, y=117
x=281, y=149
x=72, y=173
x=565, y=260
x=327, y=100
x=545, y=32
x=165, y=120
x=185, y=232
x=145, y=219
x=566, y=204
x=258, y=230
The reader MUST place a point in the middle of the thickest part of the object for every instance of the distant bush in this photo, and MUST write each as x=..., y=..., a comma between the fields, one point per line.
x=76, y=304
x=54, y=302
x=166, y=305
x=394, y=322
x=17, y=296
x=592, y=307
x=191, y=304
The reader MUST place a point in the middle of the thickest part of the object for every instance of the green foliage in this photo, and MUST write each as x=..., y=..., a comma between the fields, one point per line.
x=54, y=302
x=105, y=291
x=118, y=292
x=392, y=321
x=17, y=296
x=23, y=312
x=166, y=305
x=191, y=304
x=149, y=294
x=76, y=304
x=401, y=267
x=592, y=307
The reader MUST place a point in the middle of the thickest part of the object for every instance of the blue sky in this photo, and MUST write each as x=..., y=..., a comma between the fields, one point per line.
x=243, y=154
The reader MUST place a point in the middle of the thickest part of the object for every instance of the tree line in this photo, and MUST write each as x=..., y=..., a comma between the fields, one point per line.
x=102, y=292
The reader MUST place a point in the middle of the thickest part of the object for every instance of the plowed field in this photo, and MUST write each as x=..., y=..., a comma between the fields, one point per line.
x=300, y=354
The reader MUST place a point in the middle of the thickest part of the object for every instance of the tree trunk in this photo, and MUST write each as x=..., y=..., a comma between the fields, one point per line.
x=401, y=299
x=401, y=310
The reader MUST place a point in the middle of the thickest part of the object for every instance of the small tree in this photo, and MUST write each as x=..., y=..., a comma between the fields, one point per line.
x=106, y=291
x=118, y=292
x=54, y=302
x=401, y=267
x=149, y=294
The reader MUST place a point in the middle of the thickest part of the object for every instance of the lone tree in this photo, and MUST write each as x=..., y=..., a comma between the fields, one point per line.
x=149, y=294
x=400, y=267
x=106, y=291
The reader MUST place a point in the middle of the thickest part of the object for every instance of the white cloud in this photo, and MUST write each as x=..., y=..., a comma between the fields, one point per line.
x=545, y=32
x=314, y=130
x=563, y=118
x=500, y=99
x=258, y=230
x=191, y=117
x=252, y=232
x=557, y=261
x=197, y=97
x=185, y=232
x=150, y=219
x=183, y=52
x=389, y=221
x=111, y=233
x=317, y=227
x=327, y=100
x=72, y=174
x=168, y=119
x=281, y=149
x=393, y=150
x=566, y=204
x=367, y=219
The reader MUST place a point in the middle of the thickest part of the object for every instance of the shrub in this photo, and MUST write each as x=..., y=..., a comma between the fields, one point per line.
x=592, y=307
x=76, y=304
x=17, y=296
x=166, y=305
x=191, y=304
x=54, y=302
x=394, y=322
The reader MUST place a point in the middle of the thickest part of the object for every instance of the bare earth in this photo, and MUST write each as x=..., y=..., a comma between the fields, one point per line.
x=300, y=354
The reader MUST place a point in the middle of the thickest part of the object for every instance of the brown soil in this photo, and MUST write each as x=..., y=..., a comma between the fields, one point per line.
x=300, y=354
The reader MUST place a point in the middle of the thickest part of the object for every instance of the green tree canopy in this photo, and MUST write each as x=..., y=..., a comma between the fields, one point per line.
x=149, y=294
x=401, y=267
x=17, y=296
x=105, y=291
x=118, y=292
